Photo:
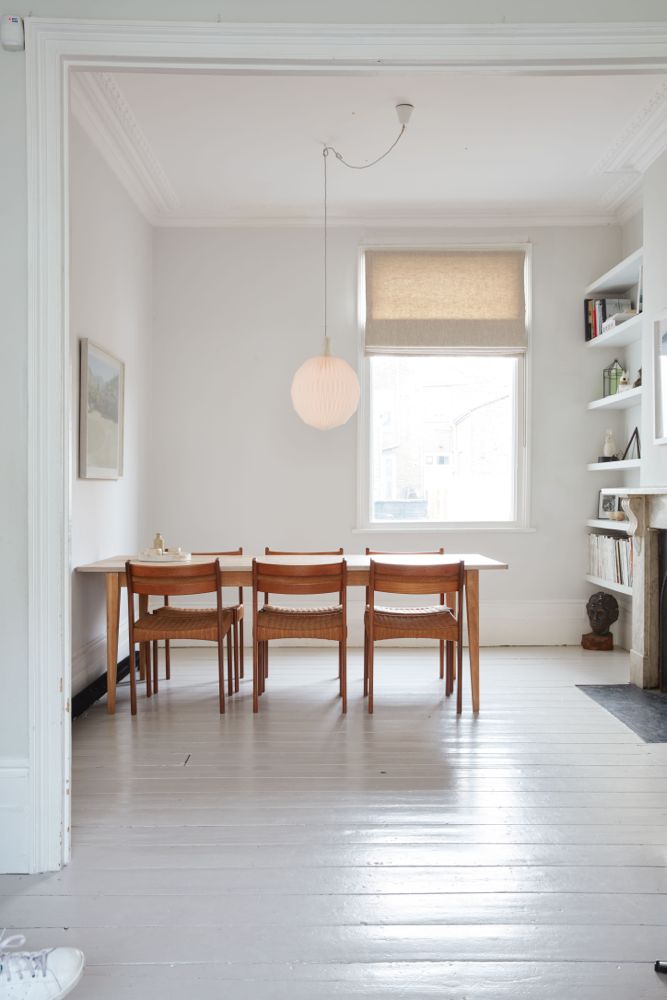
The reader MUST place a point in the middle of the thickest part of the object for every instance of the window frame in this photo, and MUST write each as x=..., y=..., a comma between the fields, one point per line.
x=521, y=410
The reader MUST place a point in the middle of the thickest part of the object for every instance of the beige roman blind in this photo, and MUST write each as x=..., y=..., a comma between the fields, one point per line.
x=441, y=301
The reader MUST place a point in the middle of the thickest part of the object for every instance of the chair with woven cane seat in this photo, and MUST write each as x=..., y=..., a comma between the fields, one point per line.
x=430, y=622
x=275, y=622
x=237, y=628
x=443, y=600
x=206, y=625
x=283, y=552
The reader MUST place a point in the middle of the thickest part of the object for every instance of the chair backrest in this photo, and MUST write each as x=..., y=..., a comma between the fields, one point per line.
x=303, y=552
x=380, y=552
x=162, y=580
x=314, y=578
x=228, y=552
x=414, y=578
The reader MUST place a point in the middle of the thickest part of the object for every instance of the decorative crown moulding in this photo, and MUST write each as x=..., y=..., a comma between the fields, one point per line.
x=101, y=108
x=505, y=219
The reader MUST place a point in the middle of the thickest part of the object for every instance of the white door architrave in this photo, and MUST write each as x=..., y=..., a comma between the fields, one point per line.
x=53, y=48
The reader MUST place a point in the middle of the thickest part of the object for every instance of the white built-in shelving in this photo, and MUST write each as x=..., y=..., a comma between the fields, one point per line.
x=623, y=279
x=598, y=581
x=626, y=464
x=607, y=525
x=619, y=400
x=621, y=335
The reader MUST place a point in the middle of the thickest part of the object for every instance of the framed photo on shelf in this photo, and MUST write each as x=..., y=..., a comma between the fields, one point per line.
x=608, y=504
x=101, y=398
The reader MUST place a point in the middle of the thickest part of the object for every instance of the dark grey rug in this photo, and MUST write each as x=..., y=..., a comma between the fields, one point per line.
x=644, y=712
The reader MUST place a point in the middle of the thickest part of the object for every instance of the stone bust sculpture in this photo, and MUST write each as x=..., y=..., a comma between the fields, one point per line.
x=602, y=611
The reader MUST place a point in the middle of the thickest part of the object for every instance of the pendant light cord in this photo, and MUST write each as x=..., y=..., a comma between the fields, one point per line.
x=364, y=166
x=352, y=166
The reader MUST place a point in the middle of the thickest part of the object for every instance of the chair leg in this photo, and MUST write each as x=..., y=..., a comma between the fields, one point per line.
x=449, y=683
x=230, y=675
x=167, y=659
x=221, y=673
x=442, y=660
x=342, y=669
x=371, y=651
x=365, y=662
x=133, y=682
x=235, y=628
x=147, y=660
x=255, y=675
x=155, y=663
x=241, y=648
x=264, y=672
x=459, y=676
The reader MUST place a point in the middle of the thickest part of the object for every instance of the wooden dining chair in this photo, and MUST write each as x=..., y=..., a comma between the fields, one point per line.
x=302, y=552
x=275, y=622
x=207, y=625
x=430, y=622
x=444, y=598
x=237, y=628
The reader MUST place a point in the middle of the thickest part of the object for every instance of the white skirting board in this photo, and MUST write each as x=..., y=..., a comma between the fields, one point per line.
x=14, y=815
x=501, y=623
x=90, y=661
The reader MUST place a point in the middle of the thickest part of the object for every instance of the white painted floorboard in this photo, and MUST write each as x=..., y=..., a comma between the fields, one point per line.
x=300, y=854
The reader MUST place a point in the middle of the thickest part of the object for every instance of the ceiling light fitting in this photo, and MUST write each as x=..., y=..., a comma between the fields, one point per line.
x=325, y=389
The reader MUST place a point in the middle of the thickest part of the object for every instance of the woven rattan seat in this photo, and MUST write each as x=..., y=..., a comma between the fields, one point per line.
x=275, y=622
x=311, y=623
x=181, y=623
x=437, y=621
x=433, y=622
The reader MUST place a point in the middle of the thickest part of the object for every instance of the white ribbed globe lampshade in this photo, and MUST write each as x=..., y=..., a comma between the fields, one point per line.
x=325, y=392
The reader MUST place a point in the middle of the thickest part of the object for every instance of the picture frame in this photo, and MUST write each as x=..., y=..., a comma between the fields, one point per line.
x=660, y=377
x=101, y=412
x=608, y=503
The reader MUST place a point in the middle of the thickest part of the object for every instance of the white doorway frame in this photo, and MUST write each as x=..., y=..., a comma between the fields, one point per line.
x=54, y=48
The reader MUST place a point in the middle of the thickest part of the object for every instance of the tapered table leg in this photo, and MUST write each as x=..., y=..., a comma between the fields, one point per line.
x=113, y=618
x=472, y=609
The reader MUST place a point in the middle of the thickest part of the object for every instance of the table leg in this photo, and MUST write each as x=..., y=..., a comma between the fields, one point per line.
x=472, y=609
x=113, y=619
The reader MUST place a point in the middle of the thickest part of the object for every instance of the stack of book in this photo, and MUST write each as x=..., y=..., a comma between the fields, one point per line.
x=601, y=315
x=610, y=558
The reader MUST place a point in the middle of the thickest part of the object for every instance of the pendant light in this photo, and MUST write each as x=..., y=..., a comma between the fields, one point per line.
x=325, y=389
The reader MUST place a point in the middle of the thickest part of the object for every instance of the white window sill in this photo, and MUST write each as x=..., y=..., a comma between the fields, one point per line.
x=394, y=528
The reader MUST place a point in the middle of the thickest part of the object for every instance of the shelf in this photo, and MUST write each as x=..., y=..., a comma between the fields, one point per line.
x=629, y=463
x=619, y=278
x=622, y=335
x=618, y=401
x=620, y=588
x=606, y=525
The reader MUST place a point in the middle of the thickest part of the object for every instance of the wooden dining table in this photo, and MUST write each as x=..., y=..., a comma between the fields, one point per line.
x=236, y=571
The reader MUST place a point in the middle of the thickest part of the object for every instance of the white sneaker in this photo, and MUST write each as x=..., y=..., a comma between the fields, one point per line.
x=38, y=975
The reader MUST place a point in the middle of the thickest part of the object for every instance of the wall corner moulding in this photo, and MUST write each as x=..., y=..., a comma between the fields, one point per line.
x=633, y=151
x=100, y=107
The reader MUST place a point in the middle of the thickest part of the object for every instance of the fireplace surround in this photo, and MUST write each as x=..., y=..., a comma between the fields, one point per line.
x=646, y=508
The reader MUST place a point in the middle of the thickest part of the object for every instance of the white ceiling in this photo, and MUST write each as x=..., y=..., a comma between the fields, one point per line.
x=247, y=148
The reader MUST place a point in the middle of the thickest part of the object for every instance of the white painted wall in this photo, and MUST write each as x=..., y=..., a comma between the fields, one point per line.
x=110, y=303
x=236, y=312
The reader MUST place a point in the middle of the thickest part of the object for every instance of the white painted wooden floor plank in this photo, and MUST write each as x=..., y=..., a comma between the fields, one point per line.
x=301, y=854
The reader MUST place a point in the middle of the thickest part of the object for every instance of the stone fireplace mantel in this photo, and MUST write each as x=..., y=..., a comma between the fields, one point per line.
x=646, y=508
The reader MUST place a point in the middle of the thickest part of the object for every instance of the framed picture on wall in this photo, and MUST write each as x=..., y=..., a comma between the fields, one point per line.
x=101, y=392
